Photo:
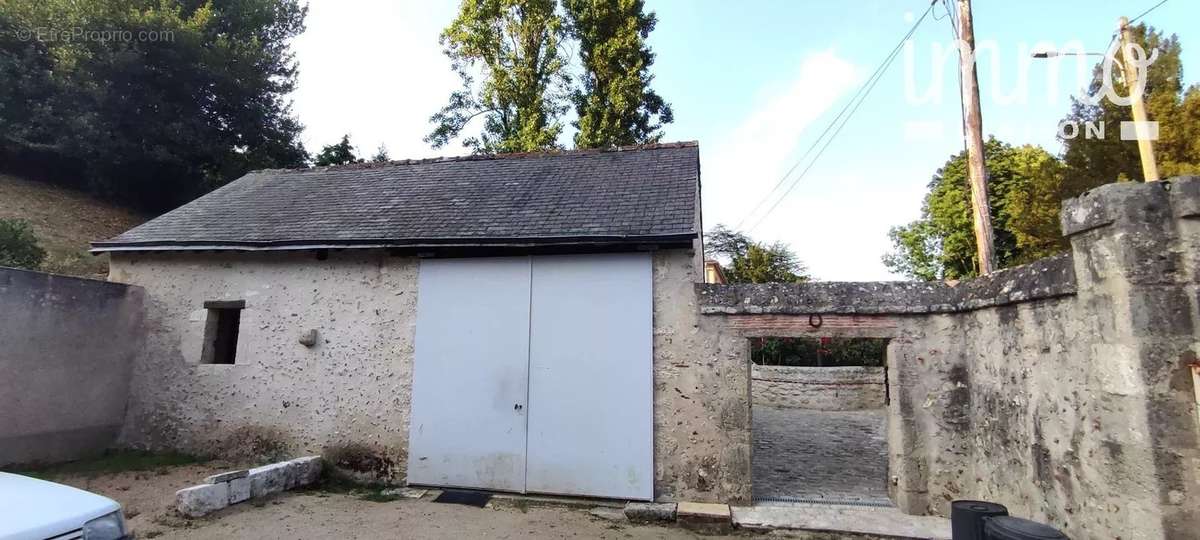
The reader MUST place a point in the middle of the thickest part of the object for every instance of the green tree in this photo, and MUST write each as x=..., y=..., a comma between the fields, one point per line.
x=747, y=261
x=339, y=153
x=818, y=352
x=187, y=96
x=18, y=246
x=1093, y=161
x=381, y=154
x=521, y=95
x=1027, y=185
x=1025, y=190
x=615, y=104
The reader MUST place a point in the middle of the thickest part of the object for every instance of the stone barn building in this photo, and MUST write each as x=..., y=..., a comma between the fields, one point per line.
x=513, y=322
x=538, y=323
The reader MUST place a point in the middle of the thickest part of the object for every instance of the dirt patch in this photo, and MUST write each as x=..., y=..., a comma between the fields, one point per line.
x=147, y=496
x=314, y=515
x=148, y=499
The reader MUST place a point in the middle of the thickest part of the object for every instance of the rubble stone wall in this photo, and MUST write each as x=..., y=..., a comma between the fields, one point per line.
x=349, y=390
x=1063, y=389
x=842, y=388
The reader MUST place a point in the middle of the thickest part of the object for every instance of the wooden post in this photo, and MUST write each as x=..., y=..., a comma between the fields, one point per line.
x=1138, y=104
x=976, y=170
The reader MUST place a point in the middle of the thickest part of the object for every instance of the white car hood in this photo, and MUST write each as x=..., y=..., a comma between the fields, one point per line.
x=37, y=509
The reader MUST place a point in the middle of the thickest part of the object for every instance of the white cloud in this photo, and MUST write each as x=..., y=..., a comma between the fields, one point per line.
x=837, y=224
x=373, y=69
x=740, y=169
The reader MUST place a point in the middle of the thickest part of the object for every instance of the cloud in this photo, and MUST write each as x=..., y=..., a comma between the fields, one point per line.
x=746, y=164
x=837, y=218
x=373, y=69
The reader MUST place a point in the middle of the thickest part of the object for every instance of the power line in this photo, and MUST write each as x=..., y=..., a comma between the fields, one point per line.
x=789, y=172
x=852, y=106
x=950, y=12
x=962, y=102
x=1147, y=12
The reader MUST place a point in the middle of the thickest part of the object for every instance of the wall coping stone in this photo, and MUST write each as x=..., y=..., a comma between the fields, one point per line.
x=10, y=277
x=1106, y=204
x=1185, y=196
x=1046, y=278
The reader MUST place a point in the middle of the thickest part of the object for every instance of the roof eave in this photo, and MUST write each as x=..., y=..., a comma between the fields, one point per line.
x=634, y=241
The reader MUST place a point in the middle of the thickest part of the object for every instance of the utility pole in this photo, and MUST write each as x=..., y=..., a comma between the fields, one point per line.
x=1138, y=104
x=977, y=172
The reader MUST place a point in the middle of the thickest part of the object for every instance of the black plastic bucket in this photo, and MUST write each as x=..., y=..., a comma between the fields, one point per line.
x=966, y=518
x=1015, y=528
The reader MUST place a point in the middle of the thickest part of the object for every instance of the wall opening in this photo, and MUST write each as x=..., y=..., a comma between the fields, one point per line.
x=221, y=331
x=819, y=420
x=818, y=352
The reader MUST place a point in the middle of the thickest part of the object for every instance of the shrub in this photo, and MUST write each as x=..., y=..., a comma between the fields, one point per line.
x=18, y=246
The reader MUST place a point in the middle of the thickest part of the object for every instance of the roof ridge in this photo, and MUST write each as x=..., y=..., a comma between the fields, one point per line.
x=487, y=157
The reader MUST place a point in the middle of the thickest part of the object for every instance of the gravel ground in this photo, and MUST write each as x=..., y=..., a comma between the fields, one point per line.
x=332, y=515
x=148, y=499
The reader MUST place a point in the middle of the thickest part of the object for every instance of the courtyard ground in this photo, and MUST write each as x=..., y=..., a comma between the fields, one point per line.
x=827, y=456
x=145, y=486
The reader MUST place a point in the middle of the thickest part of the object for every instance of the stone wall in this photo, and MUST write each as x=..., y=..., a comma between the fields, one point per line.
x=65, y=350
x=352, y=389
x=843, y=388
x=1062, y=389
x=701, y=395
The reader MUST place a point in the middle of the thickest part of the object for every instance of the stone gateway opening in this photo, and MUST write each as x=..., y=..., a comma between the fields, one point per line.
x=819, y=420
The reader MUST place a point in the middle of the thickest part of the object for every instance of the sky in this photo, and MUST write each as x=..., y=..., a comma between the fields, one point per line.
x=756, y=83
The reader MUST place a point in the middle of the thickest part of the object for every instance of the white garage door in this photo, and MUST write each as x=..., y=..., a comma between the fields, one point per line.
x=590, y=377
x=575, y=333
x=470, y=381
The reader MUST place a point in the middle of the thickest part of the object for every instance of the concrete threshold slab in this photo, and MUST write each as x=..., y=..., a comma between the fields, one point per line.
x=556, y=500
x=869, y=521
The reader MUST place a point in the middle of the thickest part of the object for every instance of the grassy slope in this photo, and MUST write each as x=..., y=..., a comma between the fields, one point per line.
x=65, y=221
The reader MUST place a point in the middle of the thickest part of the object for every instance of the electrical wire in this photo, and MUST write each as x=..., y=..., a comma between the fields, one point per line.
x=953, y=17
x=962, y=102
x=852, y=106
x=1147, y=12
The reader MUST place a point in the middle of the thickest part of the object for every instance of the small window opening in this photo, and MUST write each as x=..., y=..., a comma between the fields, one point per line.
x=221, y=331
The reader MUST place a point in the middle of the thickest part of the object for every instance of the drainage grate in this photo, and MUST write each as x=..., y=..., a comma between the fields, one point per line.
x=832, y=502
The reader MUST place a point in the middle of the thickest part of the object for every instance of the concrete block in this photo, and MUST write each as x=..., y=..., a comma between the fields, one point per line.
x=707, y=518
x=226, y=476
x=200, y=500
x=306, y=470
x=642, y=512
x=269, y=479
x=239, y=490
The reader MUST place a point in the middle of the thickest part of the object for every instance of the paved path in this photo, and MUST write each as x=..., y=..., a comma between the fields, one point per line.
x=834, y=456
x=876, y=522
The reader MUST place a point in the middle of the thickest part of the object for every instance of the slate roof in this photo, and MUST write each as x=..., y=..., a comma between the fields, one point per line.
x=631, y=194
